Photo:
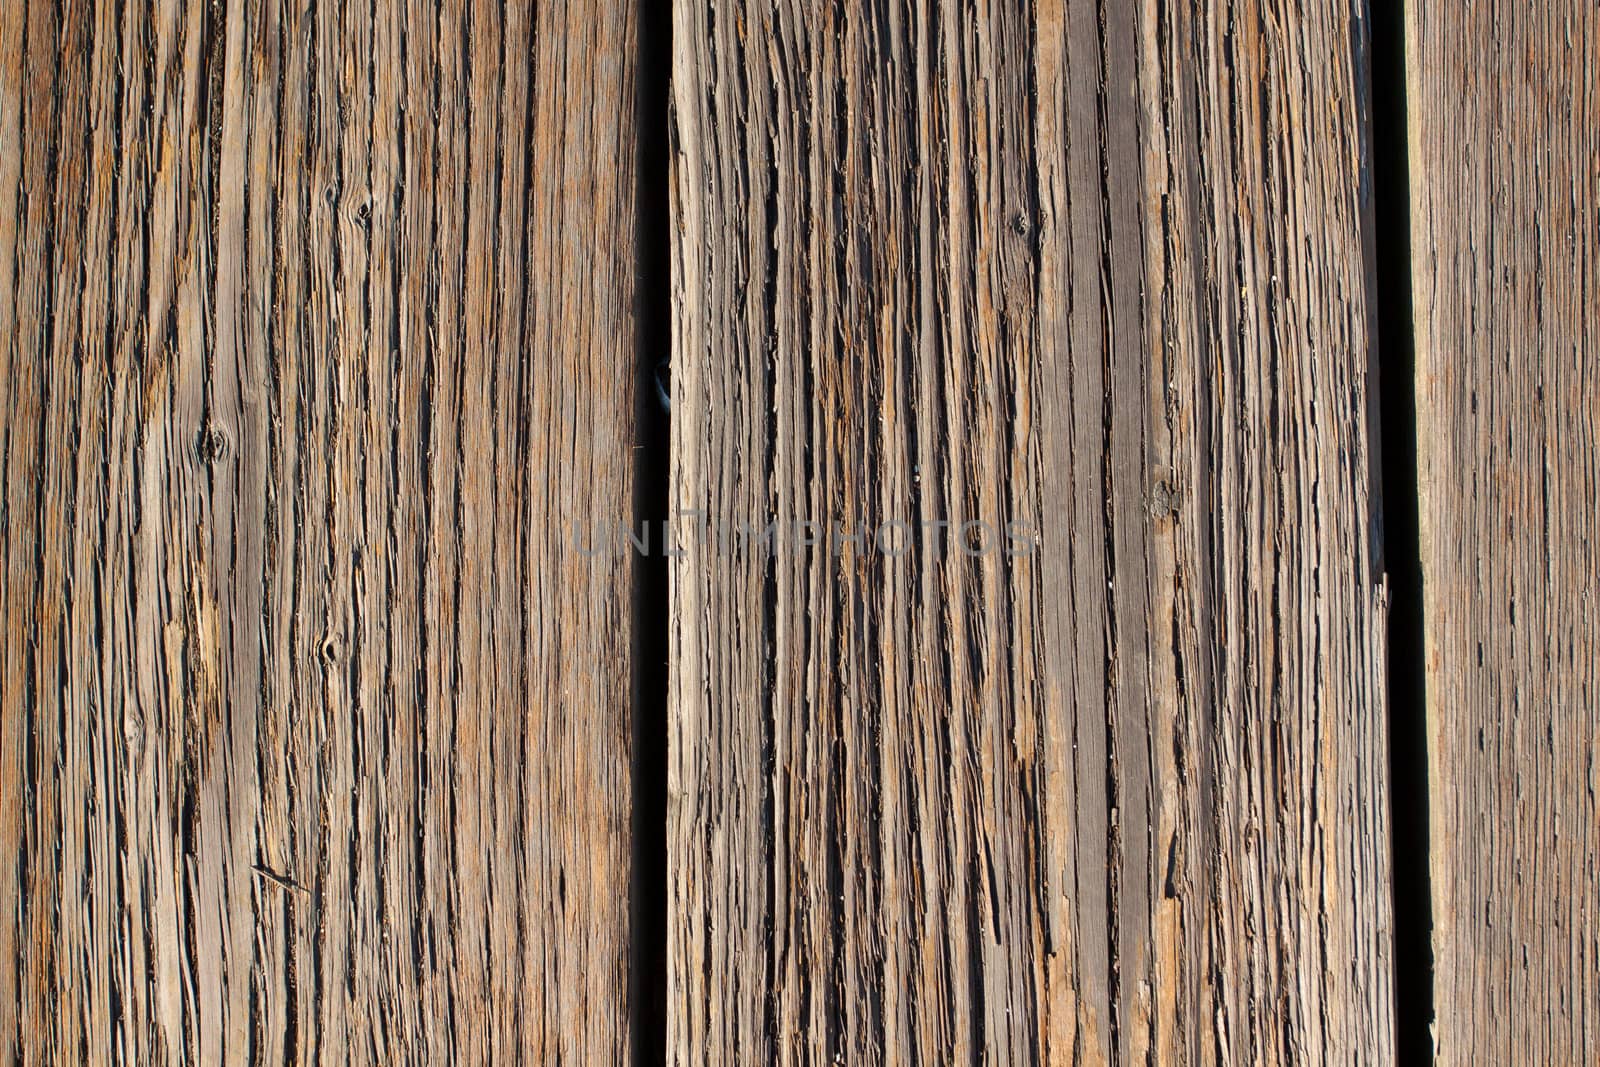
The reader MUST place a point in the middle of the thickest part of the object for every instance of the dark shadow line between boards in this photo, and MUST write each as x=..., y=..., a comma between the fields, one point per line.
x=650, y=643
x=1395, y=366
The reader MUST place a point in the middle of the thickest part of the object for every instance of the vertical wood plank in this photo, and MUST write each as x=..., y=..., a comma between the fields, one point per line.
x=317, y=342
x=1505, y=173
x=1115, y=795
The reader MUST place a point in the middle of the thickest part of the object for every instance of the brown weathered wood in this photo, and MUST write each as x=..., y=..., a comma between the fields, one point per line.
x=1094, y=268
x=316, y=332
x=1505, y=171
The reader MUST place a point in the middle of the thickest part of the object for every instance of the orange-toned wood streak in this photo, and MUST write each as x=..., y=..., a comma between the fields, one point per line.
x=316, y=335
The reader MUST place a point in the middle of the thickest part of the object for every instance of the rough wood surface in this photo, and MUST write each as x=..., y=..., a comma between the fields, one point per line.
x=315, y=335
x=1505, y=168
x=1095, y=269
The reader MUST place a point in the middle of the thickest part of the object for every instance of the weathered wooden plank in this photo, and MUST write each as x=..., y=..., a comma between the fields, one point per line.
x=1098, y=270
x=1505, y=175
x=316, y=323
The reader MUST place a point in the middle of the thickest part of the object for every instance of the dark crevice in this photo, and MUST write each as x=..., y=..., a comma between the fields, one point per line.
x=1401, y=545
x=652, y=468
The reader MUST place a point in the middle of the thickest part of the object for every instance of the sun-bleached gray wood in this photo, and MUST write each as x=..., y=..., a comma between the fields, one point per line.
x=1505, y=177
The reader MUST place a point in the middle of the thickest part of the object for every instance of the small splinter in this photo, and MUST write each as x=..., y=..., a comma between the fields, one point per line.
x=278, y=879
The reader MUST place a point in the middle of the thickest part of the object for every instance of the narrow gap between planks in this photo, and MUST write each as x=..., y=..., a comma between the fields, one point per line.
x=1395, y=365
x=652, y=467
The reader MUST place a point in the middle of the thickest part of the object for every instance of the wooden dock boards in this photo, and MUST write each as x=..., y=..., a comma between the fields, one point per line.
x=1099, y=270
x=1505, y=175
x=1026, y=697
x=316, y=330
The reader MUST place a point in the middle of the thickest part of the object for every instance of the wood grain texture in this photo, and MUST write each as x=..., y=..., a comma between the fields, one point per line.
x=316, y=329
x=1505, y=170
x=1099, y=270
